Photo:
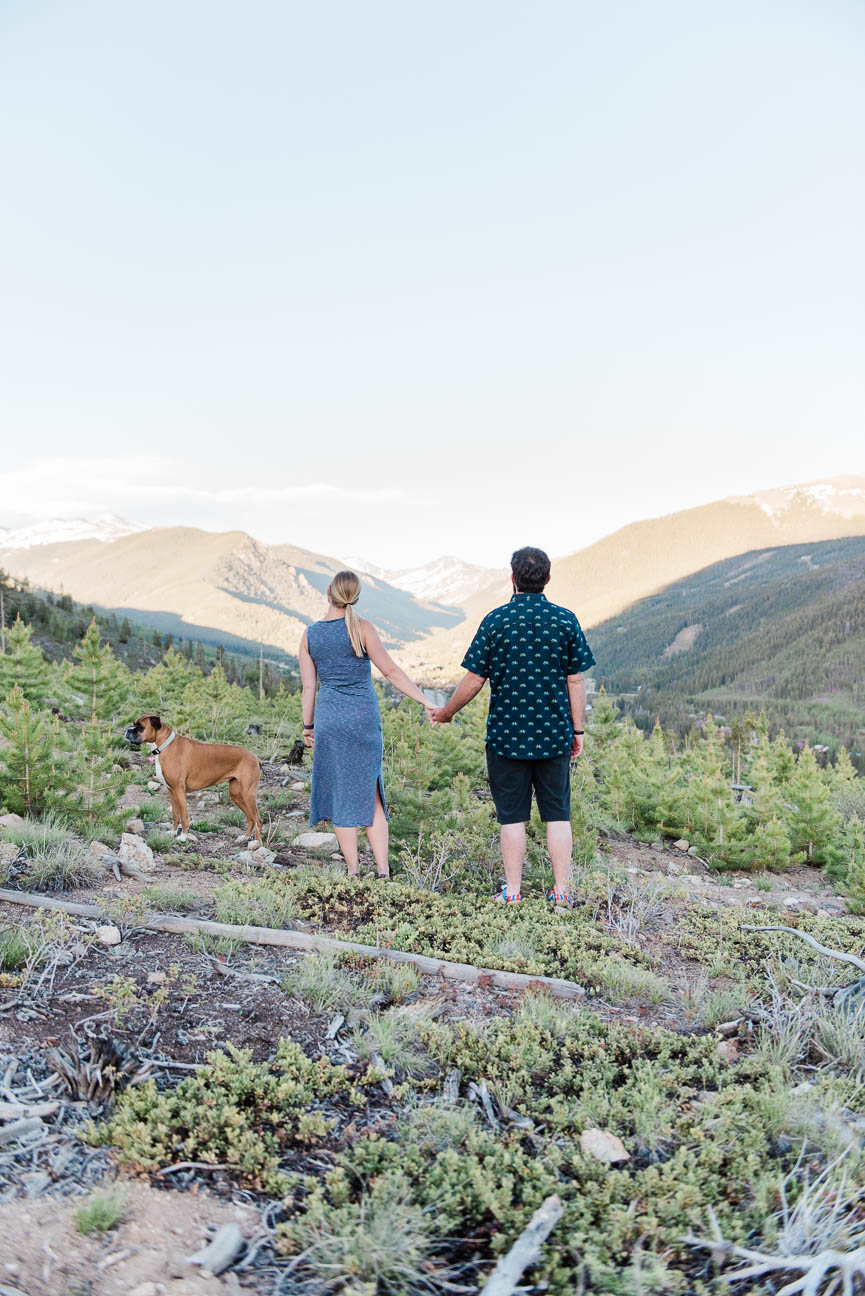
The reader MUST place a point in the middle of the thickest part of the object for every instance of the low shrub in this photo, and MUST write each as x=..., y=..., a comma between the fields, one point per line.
x=57, y=860
x=161, y=840
x=170, y=899
x=232, y=1112
x=103, y=1212
x=257, y=903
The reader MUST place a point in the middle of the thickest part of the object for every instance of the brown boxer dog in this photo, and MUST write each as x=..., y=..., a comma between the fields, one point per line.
x=184, y=765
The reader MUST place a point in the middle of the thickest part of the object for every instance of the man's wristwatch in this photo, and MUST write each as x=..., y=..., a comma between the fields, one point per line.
x=578, y=733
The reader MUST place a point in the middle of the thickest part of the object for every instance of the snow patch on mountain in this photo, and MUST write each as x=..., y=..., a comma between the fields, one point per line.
x=841, y=496
x=446, y=580
x=105, y=528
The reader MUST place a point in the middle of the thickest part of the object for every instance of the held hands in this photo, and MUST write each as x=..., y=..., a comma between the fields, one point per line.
x=437, y=716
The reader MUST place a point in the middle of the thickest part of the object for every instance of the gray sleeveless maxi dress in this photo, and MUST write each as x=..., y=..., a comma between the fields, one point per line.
x=347, y=756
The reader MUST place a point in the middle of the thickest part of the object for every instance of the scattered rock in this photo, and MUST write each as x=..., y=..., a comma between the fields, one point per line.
x=8, y=852
x=134, y=850
x=791, y=902
x=603, y=1146
x=153, y=785
x=657, y=845
x=10, y=821
x=692, y=850
x=316, y=841
x=261, y=856
x=135, y=826
x=156, y=978
x=681, y=844
x=35, y=1184
x=97, y=849
x=108, y=935
x=676, y=867
x=298, y=787
x=727, y=1050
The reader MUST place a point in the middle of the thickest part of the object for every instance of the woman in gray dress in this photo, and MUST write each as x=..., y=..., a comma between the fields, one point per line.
x=343, y=724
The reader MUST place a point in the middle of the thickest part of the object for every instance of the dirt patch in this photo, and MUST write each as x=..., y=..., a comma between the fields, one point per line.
x=209, y=1002
x=684, y=641
x=800, y=890
x=43, y=1253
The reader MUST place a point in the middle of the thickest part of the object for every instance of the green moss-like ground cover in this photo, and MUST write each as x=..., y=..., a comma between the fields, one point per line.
x=700, y=1132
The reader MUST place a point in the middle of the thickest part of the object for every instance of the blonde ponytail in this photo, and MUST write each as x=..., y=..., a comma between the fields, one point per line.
x=345, y=592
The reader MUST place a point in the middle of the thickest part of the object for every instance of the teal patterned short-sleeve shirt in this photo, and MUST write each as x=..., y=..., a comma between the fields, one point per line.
x=527, y=649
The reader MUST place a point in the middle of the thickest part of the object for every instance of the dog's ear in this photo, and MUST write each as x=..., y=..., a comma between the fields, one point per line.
x=156, y=722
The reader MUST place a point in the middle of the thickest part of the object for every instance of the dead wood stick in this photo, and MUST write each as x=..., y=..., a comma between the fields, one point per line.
x=311, y=941
x=16, y=1110
x=840, y=955
x=197, y=1165
x=526, y=1250
x=222, y=1252
x=11, y=1133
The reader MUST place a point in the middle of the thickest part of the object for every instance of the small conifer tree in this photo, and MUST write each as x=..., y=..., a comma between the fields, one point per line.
x=99, y=784
x=23, y=666
x=34, y=775
x=99, y=682
x=813, y=821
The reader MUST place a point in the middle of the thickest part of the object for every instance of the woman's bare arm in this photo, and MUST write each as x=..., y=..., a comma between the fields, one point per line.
x=394, y=674
x=308, y=681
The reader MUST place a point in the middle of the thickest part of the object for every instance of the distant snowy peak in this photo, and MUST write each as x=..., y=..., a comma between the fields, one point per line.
x=446, y=580
x=841, y=496
x=106, y=527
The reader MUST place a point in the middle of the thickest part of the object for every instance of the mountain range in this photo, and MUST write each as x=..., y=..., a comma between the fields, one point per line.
x=232, y=588
x=780, y=630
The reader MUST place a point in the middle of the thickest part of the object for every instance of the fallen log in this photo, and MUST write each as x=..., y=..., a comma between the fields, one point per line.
x=526, y=1250
x=312, y=941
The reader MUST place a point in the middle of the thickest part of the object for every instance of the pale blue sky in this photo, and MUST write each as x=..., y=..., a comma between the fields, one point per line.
x=400, y=279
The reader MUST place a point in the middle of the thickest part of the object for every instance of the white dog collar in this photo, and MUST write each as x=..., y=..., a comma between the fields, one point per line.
x=168, y=741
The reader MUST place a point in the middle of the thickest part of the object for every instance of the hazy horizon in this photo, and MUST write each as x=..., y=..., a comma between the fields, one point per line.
x=95, y=514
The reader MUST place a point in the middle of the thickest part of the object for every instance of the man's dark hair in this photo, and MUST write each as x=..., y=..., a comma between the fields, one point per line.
x=531, y=570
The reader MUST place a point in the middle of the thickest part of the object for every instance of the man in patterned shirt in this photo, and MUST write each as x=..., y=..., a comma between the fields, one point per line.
x=533, y=653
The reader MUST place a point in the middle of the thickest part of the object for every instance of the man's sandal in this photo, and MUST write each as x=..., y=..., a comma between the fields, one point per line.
x=561, y=899
x=503, y=898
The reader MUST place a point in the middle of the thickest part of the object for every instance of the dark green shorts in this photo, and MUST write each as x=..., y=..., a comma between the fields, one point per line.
x=512, y=781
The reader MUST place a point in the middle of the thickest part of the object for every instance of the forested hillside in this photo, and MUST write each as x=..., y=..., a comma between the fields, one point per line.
x=777, y=629
x=57, y=623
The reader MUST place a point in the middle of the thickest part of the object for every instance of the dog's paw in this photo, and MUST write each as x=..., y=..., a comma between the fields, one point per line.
x=253, y=844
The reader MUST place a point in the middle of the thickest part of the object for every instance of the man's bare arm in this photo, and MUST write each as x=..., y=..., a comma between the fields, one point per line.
x=577, y=698
x=469, y=686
